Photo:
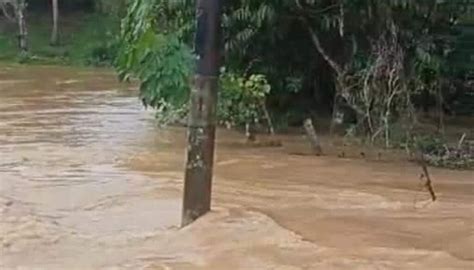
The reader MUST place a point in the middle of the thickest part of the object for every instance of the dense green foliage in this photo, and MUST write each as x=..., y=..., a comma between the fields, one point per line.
x=86, y=37
x=151, y=50
x=242, y=100
x=155, y=49
x=157, y=58
x=380, y=58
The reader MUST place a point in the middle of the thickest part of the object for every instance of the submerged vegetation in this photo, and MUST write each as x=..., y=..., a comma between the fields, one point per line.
x=379, y=70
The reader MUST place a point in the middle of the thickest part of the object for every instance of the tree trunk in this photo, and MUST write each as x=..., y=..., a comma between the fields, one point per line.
x=339, y=88
x=313, y=137
x=20, y=9
x=54, y=33
x=338, y=69
x=250, y=132
x=439, y=109
x=271, y=128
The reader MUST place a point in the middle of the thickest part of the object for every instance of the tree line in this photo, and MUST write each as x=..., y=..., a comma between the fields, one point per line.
x=381, y=60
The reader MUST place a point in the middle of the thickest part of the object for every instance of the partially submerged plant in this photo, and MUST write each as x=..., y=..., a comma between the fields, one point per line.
x=242, y=101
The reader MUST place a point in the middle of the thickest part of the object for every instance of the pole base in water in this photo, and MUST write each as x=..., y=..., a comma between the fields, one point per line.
x=200, y=157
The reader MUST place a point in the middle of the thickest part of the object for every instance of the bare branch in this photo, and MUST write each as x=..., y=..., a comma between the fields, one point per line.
x=4, y=7
x=426, y=175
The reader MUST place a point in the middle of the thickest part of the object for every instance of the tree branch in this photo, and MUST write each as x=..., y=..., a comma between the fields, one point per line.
x=3, y=6
x=426, y=176
x=317, y=43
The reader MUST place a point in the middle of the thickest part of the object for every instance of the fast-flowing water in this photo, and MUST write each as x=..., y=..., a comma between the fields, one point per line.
x=87, y=181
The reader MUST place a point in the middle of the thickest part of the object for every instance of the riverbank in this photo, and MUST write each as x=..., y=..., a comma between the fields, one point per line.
x=85, y=40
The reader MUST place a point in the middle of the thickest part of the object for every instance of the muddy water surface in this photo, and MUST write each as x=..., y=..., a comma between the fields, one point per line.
x=88, y=182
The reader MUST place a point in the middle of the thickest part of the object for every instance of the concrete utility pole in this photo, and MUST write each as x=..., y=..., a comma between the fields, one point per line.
x=202, y=122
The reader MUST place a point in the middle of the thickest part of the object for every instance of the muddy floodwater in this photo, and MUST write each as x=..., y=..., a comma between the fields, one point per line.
x=87, y=181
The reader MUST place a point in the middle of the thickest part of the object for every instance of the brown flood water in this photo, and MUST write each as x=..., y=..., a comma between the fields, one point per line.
x=88, y=182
